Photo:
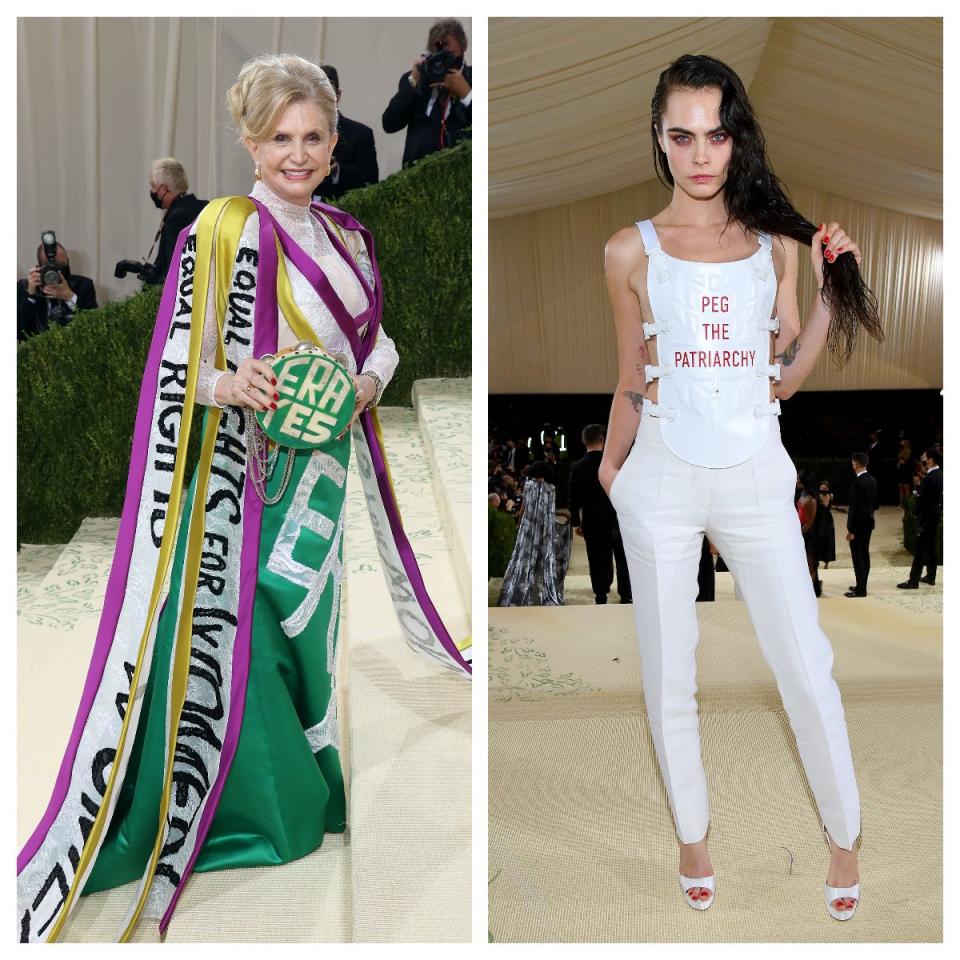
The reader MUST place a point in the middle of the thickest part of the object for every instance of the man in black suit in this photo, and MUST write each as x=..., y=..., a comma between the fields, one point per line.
x=929, y=512
x=168, y=191
x=436, y=115
x=598, y=524
x=38, y=305
x=863, y=503
x=354, y=161
x=517, y=457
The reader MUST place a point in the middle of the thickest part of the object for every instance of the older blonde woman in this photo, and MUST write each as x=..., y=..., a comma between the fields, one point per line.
x=207, y=736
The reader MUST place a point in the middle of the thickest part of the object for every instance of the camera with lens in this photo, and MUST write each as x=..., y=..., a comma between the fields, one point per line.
x=50, y=270
x=436, y=67
x=143, y=271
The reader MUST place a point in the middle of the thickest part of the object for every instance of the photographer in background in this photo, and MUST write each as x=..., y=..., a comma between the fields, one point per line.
x=434, y=99
x=168, y=191
x=51, y=293
x=354, y=161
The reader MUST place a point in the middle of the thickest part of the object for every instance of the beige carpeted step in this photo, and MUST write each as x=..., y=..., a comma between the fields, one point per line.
x=582, y=846
x=408, y=721
x=443, y=409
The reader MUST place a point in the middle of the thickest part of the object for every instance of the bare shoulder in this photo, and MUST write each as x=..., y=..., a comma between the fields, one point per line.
x=624, y=253
x=785, y=255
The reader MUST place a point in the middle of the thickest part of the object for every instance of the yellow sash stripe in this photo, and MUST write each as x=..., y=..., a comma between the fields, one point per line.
x=227, y=238
x=297, y=322
x=209, y=215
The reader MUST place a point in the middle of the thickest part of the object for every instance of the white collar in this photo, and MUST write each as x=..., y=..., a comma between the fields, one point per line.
x=860, y=473
x=285, y=211
x=931, y=469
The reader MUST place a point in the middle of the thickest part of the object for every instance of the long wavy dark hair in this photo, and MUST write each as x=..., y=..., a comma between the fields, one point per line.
x=754, y=197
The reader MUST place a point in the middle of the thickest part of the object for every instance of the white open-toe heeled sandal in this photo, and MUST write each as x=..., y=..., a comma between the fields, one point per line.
x=837, y=893
x=686, y=883
x=833, y=893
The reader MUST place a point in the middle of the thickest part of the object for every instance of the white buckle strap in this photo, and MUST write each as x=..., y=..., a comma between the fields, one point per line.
x=652, y=371
x=655, y=328
x=659, y=410
x=767, y=409
x=768, y=370
x=772, y=325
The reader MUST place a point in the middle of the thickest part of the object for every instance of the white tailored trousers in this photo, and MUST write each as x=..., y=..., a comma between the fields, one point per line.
x=664, y=506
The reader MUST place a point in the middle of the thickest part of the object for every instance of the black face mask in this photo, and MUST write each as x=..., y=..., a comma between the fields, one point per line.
x=157, y=202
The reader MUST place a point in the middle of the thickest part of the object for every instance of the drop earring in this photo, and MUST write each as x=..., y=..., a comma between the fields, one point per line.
x=256, y=172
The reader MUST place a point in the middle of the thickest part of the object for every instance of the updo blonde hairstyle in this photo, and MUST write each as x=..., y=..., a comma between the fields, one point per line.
x=268, y=84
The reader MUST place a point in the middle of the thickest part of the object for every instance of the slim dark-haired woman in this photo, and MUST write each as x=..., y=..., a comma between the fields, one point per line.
x=709, y=340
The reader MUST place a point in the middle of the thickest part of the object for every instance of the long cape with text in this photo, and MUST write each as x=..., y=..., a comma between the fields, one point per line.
x=251, y=285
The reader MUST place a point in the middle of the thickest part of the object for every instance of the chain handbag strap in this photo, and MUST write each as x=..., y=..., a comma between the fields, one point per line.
x=262, y=462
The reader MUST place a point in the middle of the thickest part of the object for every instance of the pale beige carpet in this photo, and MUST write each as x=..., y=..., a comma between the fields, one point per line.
x=582, y=846
x=402, y=871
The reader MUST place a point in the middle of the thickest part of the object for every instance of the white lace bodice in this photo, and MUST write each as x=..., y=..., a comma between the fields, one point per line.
x=309, y=234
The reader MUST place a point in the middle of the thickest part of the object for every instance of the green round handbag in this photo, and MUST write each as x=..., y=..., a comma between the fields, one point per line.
x=317, y=398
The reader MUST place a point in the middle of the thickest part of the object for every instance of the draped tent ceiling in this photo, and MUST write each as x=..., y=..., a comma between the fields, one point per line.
x=849, y=106
x=852, y=113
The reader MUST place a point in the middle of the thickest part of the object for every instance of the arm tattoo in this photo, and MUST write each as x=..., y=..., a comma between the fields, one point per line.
x=789, y=352
x=636, y=399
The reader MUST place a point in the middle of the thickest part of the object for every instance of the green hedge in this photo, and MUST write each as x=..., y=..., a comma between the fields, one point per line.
x=910, y=529
x=77, y=386
x=501, y=536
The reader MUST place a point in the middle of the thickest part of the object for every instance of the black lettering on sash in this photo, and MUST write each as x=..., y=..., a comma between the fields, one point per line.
x=247, y=255
x=86, y=824
x=55, y=876
x=236, y=482
x=73, y=855
x=231, y=337
x=185, y=754
x=238, y=312
x=170, y=397
x=221, y=495
x=167, y=872
x=244, y=280
x=177, y=375
x=212, y=561
x=101, y=760
x=196, y=725
x=123, y=697
x=210, y=582
x=162, y=449
x=177, y=326
x=231, y=447
x=183, y=782
x=158, y=497
x=169, y=430
x=207, y=631
x=214, y=538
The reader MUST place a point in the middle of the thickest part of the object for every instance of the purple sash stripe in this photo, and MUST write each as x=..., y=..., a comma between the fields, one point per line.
x=265, y=322
x=318, y=280
x=346, y=221
x=407, y=556
x=120, y=567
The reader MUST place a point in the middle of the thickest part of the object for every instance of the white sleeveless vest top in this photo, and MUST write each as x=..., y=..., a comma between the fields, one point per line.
x=712, y=323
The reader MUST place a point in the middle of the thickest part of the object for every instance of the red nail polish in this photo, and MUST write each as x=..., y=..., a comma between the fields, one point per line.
x=276, y=396
x=819, y=228
x=273, y=406
x=825, y=239
x=274, y=382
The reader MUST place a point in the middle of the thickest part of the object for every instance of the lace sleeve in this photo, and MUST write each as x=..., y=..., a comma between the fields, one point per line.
x=209, y=375
x=383, y=358
x=381, y=363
